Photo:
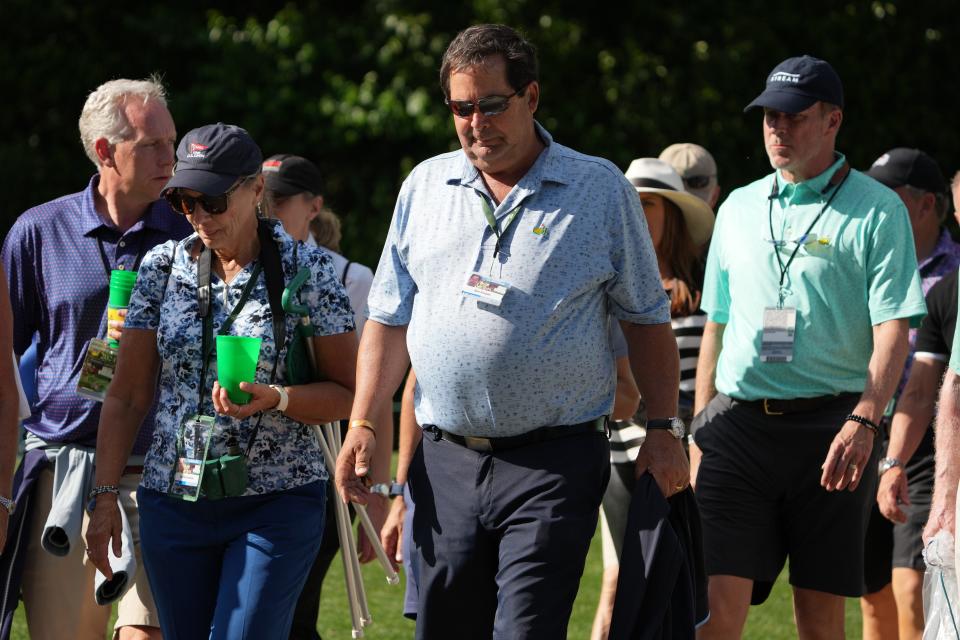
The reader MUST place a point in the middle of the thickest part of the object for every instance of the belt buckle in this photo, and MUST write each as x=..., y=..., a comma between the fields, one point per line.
x=768, y=411
x=477, y=444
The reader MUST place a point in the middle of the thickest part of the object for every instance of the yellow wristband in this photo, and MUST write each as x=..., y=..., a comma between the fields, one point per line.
x=363, y=424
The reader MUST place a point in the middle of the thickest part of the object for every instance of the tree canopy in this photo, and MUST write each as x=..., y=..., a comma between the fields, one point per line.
x=355, y=86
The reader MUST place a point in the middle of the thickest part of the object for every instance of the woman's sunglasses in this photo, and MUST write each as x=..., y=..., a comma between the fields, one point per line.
x=214, y=205
x=488, y=106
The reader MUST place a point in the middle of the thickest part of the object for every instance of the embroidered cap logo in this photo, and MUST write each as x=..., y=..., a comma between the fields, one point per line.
x=197, y=150
x=782, y=76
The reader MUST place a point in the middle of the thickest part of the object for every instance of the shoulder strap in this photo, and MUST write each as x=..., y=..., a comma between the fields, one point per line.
x=273, y=272
x=343, y=276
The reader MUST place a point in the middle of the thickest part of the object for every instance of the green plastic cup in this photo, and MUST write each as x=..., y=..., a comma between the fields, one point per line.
x=121, y=286
x=237, y=358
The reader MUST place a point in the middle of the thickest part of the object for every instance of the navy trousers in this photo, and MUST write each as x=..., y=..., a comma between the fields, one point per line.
x=230, y=569
x=502, y=537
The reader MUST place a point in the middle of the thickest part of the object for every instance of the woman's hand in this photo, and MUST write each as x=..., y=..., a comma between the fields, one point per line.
x=105, y=525
x=263, y=398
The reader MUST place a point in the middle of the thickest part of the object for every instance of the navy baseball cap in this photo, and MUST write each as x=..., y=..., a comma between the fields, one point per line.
x=796, y=84
x=902, y=166
x=288, y=175
x=211, y=158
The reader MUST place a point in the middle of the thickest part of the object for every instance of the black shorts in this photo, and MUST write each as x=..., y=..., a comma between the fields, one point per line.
x=761, y=502
x=907, y=537
x=891, y=545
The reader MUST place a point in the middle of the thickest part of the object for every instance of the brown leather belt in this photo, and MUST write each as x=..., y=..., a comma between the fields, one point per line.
x=778, y=407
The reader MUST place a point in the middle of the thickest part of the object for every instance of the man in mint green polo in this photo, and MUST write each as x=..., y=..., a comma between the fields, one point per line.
x=811, y=286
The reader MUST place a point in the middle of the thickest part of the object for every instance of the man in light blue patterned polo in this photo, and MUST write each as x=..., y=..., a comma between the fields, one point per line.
x=501, y=268
x=810, y=286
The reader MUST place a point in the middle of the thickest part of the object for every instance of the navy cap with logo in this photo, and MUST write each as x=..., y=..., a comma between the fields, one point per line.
x=901, y=166
x=211, y=158
x=796, y=84
x=288, y=175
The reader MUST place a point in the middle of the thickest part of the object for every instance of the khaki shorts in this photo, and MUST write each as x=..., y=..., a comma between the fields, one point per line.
x=58, y=591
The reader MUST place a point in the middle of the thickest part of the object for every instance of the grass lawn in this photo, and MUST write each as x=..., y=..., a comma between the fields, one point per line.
x=770, y=621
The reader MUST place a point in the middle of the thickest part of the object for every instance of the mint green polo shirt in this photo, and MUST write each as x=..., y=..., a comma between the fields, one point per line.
x=856, y=268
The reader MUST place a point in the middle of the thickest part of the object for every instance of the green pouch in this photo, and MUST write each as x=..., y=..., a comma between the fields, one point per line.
x=225, y=477
x=298, y=358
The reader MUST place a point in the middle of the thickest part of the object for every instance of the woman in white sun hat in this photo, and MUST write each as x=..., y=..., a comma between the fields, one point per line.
x=680, y=225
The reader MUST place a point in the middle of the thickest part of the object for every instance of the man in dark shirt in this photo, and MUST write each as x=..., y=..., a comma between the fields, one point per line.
x=58, y=258
x=907, y=471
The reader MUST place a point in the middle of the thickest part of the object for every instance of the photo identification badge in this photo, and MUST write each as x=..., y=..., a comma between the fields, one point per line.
x=485, y=289
x=193, y=443
x=99, y=363
x=779, y=329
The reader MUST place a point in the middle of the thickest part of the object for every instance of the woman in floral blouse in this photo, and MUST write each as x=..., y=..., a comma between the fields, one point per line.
x=224, y=559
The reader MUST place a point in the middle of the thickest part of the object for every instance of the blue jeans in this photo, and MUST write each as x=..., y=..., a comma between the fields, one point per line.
x=230, y=568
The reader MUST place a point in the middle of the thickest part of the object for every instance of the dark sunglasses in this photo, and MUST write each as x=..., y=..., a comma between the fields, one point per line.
x=696, y=182
x=488, y=106
x=214, y=205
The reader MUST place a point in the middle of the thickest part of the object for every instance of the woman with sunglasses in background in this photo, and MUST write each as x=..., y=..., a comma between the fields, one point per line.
x=232, y=498
x=680, y=225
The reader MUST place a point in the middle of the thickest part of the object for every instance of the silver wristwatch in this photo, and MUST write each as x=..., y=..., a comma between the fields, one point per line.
x=886, y=464
x=674, y=425
x=8, y=504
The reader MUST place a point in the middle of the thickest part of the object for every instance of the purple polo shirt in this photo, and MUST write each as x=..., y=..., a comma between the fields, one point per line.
x=944, y=259
x=59, y=288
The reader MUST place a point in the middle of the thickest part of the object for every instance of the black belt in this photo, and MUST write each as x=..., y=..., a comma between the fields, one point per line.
x=777, y=407
x=543, y=434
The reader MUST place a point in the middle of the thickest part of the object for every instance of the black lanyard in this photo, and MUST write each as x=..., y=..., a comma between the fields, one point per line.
x=836, y=181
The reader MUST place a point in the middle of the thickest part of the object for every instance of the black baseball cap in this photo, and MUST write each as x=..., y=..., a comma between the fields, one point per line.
x=796, y=84
x=211, y=158
x=289, y=175
x=903, y=166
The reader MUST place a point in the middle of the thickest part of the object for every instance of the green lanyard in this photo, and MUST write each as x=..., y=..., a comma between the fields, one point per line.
x=492, y=222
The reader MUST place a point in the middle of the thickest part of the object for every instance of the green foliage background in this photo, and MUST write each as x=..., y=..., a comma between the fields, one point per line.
x=354, y=85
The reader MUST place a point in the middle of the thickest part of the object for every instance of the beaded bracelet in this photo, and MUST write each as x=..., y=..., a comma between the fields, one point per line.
x=103, y=488
x=869, y=424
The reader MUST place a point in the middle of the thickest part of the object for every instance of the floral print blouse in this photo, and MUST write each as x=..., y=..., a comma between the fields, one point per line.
x=285, y=453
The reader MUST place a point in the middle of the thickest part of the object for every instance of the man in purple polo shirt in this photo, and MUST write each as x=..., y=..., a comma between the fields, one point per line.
x=58, y=257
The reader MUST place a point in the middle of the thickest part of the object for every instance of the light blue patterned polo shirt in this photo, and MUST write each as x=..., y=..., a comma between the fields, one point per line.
x=578, y=250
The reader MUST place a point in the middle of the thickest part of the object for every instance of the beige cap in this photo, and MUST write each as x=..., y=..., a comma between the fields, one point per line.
x=692, y=161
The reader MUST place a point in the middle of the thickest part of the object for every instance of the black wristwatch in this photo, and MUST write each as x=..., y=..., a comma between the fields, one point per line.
x=674, y=425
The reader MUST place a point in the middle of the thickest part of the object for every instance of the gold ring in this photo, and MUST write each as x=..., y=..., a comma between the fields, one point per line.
x=679, y=486
x=853, y=467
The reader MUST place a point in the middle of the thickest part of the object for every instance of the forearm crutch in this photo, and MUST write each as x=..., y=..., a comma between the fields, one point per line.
x=372, y=534
x=331, y=449
x=351, y=567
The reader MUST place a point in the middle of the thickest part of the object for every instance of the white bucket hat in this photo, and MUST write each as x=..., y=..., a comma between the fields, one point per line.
x=650, y=175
